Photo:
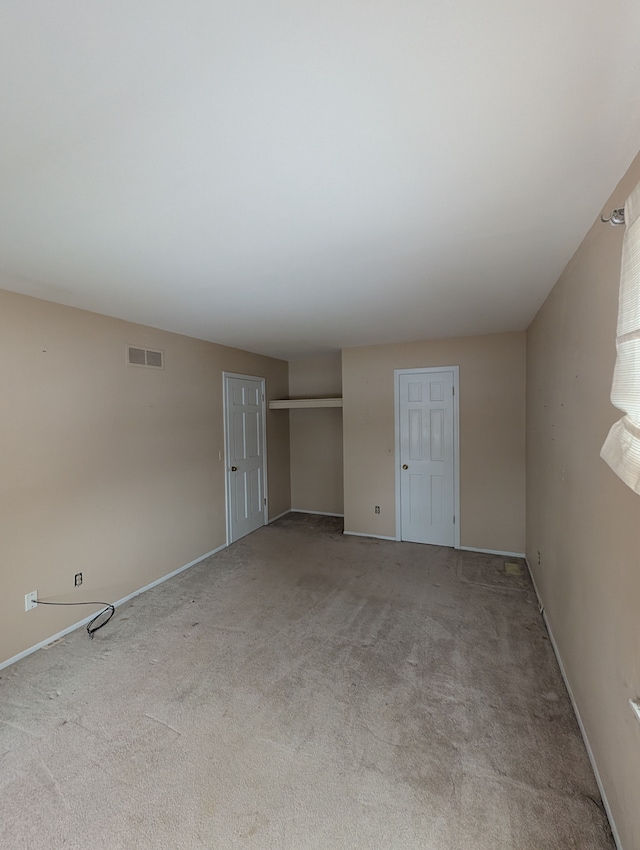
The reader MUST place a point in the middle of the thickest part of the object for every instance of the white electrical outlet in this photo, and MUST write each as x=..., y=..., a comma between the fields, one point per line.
x=635, y=705
x=31, y=600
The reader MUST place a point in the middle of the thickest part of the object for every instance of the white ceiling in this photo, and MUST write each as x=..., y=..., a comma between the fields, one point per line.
x=296, y=177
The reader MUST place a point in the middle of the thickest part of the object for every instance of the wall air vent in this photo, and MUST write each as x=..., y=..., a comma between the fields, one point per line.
x=145, y=357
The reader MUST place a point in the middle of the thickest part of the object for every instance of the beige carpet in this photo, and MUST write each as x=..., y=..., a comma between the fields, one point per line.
x=303, y=689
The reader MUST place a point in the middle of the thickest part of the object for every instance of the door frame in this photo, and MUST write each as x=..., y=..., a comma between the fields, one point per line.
x=227, y=449
x=456, y=442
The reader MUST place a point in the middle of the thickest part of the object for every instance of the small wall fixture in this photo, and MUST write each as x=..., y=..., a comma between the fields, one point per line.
x=615, y=219
x=145, y=357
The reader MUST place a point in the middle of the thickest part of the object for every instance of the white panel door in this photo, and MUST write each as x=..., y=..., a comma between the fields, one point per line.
x=427, y=487
x=245, y=454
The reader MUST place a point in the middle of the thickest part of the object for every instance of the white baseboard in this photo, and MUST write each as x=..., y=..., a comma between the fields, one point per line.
x=315, y=513
x=594, y=766
x=375, y=536
x=464, y=548
x=273, y=519
x=124, y=599
x=492, y=552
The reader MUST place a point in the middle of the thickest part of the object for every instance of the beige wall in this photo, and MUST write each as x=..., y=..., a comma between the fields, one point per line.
x=316, y=436
x=581, y=518
x=107, y=469
x=492, y=402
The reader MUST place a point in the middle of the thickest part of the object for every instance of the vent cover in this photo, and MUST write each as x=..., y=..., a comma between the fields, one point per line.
x=145, y=357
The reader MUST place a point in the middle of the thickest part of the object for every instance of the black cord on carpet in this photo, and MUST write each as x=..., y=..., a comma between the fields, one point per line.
x=90, y=628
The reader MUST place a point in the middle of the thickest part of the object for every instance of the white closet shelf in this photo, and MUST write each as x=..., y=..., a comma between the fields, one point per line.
x=290, y=403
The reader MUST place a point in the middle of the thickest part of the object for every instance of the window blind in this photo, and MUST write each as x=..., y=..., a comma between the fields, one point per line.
x=621, y=449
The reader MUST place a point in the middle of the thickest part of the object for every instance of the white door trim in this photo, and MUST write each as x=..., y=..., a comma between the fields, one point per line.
x=227, y=451
x=456, y=440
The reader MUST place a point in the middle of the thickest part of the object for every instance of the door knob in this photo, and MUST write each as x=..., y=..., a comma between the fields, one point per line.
x=405, y=466
x=234, y=469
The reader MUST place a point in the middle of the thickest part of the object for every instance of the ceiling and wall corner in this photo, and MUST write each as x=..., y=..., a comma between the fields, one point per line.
x=295, y=180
